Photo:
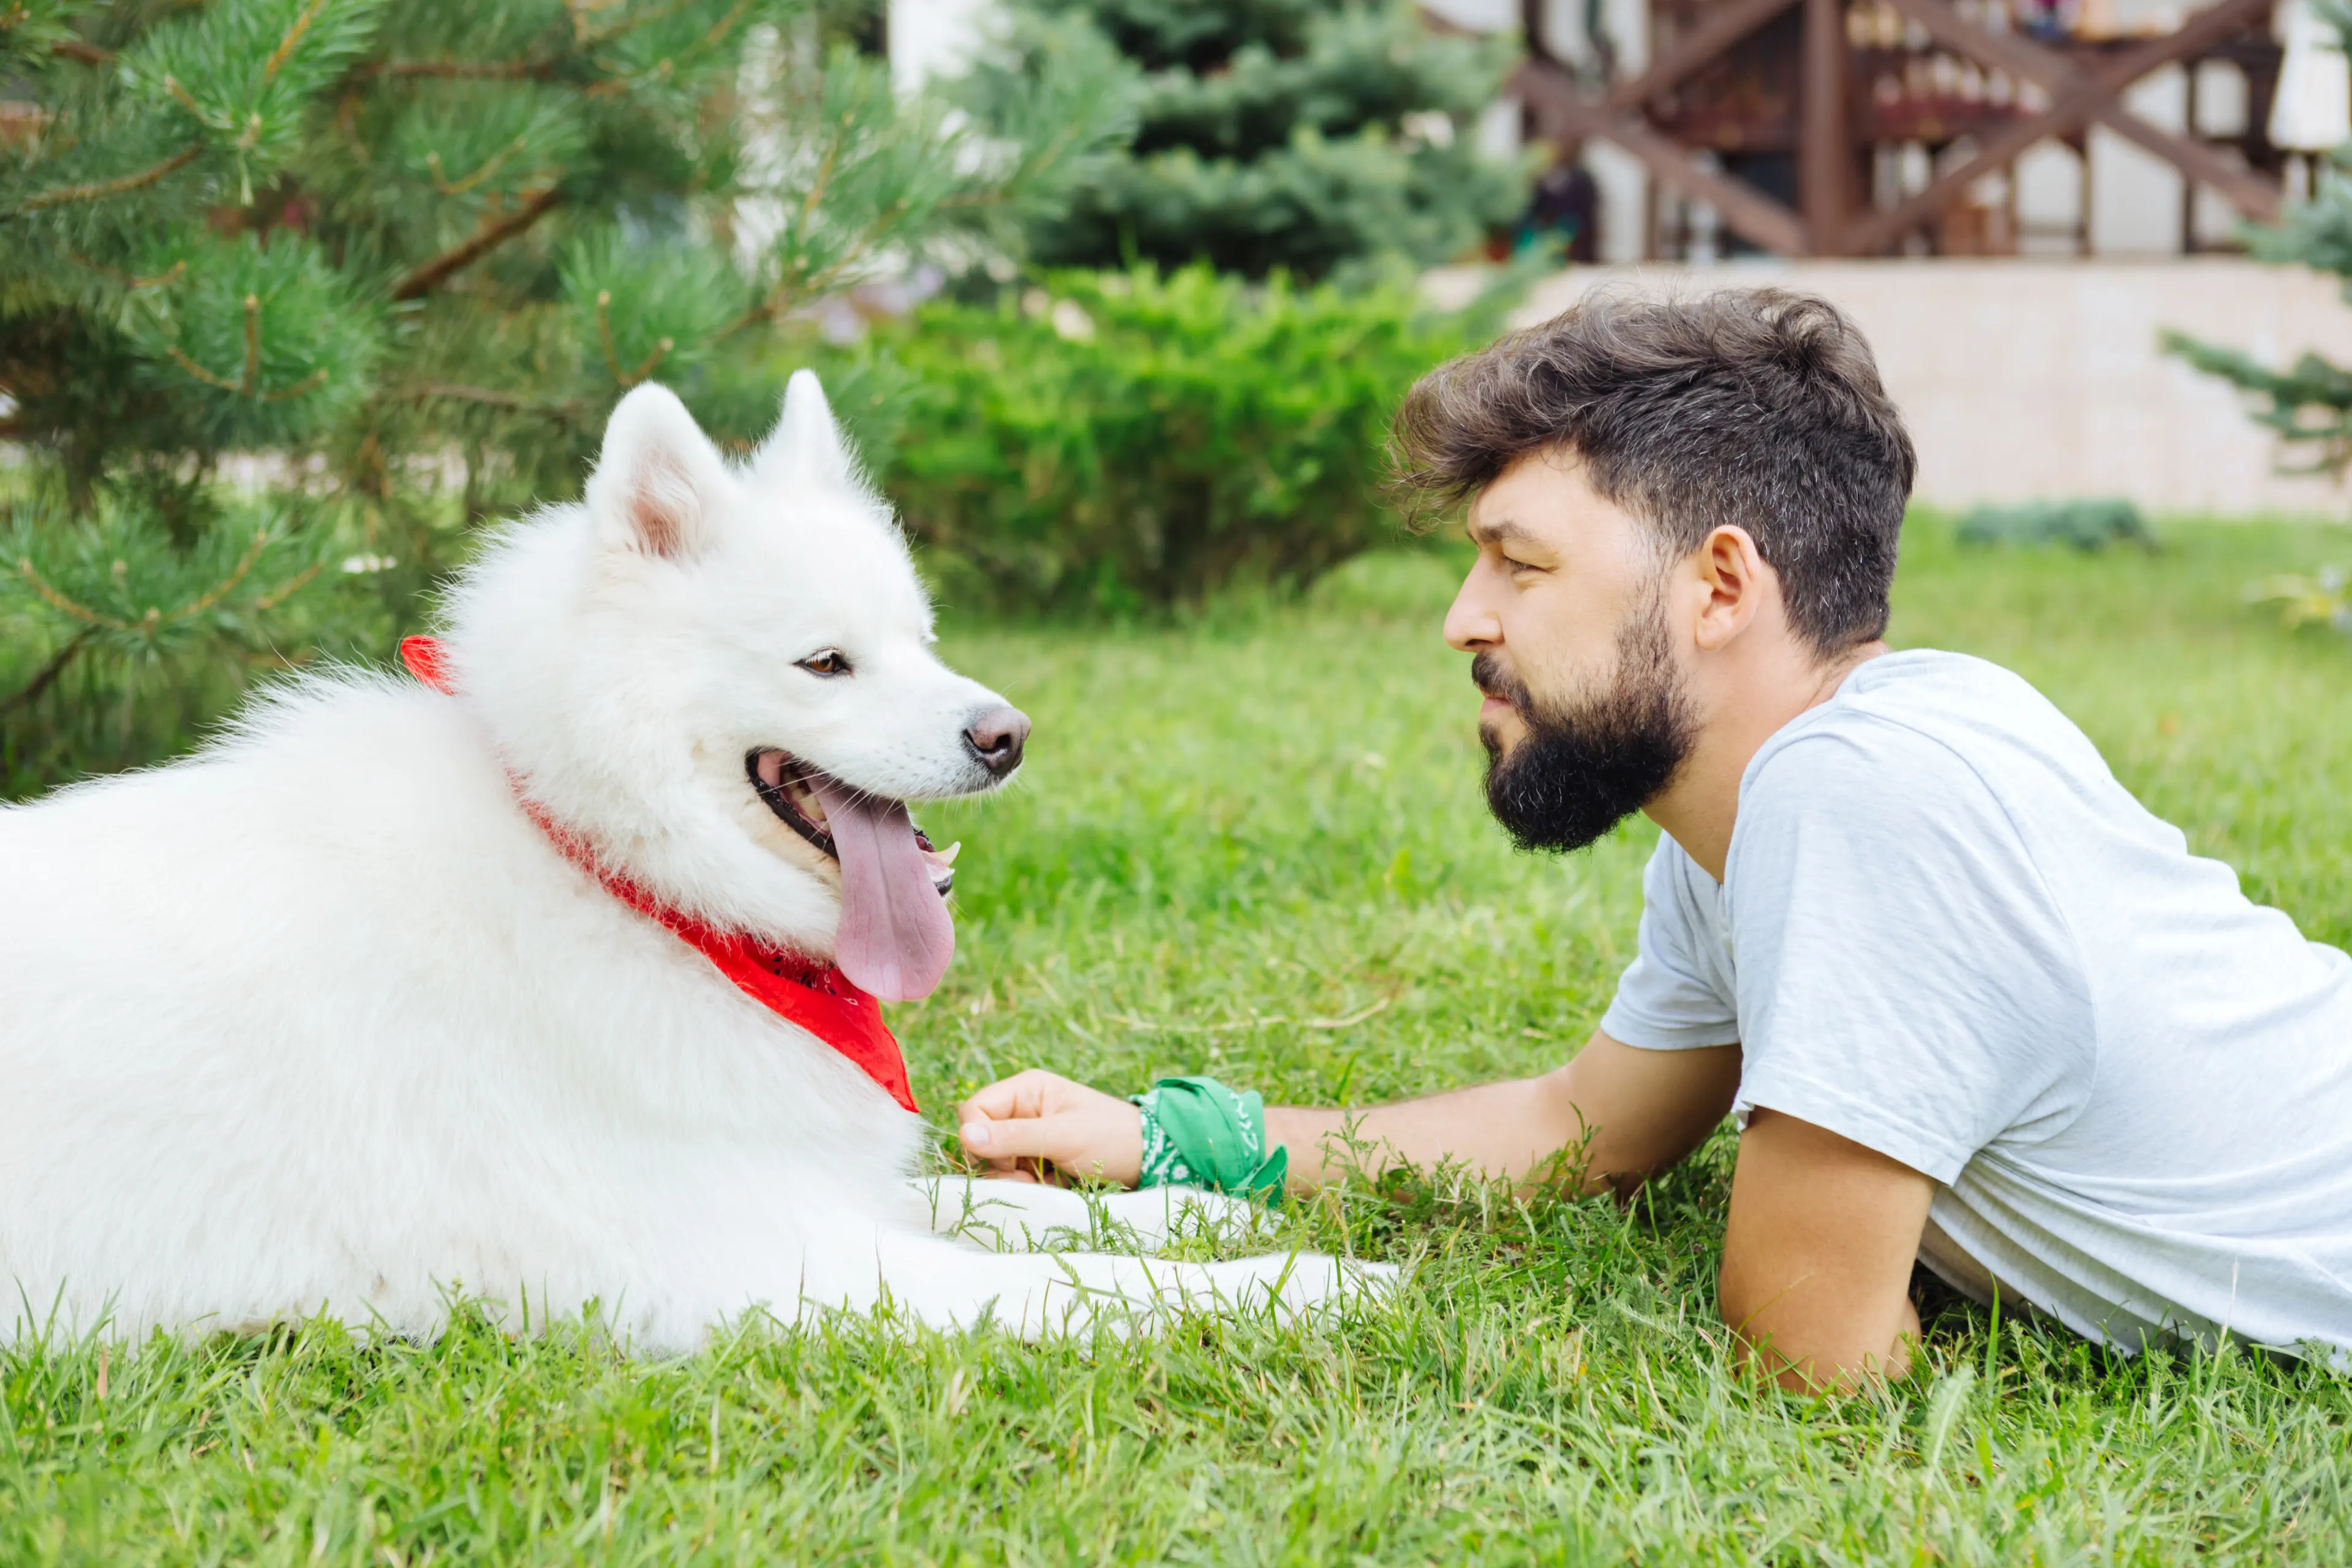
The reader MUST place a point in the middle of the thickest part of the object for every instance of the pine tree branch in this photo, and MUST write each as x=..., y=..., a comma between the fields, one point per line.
x=781, y=297
x=490, y=166
x=587, y=39
x=154, y=620
x=286, y=46
x=87, y=53
x=487, y=238
x=495, y=70
x=97, y=190
x=131, y=280
x=197, y=110
x=228, y=585
x=295, y=584
x=180, y=357
x=490, y=396
x=91, y=620
x=724, y=26
x=823, y=175
x=1030, y=169
x=46, y=676
x=613, y=355
x=250, y=386
x=612, y=86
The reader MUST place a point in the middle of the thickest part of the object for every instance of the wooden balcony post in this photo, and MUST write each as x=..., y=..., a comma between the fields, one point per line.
x=1824, y=151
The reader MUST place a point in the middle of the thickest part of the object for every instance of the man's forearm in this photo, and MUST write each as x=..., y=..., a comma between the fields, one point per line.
x=1497, y=1129
x=1614, y=1114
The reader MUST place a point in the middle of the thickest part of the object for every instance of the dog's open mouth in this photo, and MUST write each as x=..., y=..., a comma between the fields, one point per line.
x=894, y=936
x=788, y=786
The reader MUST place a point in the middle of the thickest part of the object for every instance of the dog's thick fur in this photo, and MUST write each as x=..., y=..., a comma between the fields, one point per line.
x=320, y=1020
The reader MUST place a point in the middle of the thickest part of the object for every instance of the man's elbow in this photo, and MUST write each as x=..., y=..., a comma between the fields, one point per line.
x=1813, y=1358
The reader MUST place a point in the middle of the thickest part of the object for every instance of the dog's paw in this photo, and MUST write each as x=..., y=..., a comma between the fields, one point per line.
x=1155, y=1219
x=1003, y=1215
x=1022, y=1216
x=1304, y=1284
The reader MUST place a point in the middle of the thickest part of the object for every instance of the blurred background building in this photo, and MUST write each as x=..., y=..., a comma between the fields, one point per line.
x=1718, y=128
x=2103, y=128
x=2083, y=167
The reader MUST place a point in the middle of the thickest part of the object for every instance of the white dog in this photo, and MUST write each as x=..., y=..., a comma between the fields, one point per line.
x=400, y=990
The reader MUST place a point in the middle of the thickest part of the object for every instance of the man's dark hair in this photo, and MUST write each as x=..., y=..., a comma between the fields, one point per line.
x=1753, y=407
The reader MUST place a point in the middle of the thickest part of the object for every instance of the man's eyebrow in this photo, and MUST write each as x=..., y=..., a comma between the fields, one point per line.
x=1503, y=531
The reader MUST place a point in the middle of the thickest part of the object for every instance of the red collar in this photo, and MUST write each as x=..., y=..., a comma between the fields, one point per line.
x=816, y=996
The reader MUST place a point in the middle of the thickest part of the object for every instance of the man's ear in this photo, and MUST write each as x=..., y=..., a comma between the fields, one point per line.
x=1735, y=579
x=807, y=446
x=659, y=482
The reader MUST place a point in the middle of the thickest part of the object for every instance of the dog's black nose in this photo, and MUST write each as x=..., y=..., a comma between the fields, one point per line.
x=996, y=737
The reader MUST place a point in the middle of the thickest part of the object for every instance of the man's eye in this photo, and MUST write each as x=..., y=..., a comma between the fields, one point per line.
x=1511, y=565
x=826, y=661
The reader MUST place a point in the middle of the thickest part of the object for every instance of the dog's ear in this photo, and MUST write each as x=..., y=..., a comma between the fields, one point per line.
x=658, y=479
x=806, y=447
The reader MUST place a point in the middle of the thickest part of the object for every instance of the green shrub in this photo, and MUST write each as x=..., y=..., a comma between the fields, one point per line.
x=2087, y=525
x=1125, y=441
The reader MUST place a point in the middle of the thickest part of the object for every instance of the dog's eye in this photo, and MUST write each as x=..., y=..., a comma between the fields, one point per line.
x=826, y=661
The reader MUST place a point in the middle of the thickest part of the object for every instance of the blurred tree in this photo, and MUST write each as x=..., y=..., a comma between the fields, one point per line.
x=2309, y=404
x=1319, y=137
x=385, y=267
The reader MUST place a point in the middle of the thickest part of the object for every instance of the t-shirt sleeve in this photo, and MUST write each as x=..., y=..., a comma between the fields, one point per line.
x=1676, y=994
x=1905, y=977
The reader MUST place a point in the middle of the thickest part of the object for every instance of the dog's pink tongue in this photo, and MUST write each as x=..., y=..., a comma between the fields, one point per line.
x=896, y=937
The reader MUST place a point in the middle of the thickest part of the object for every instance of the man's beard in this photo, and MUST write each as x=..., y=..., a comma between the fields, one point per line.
x=1582, y=768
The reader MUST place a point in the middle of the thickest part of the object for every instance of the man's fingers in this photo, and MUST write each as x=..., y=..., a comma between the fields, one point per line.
x=1012, y=1138
x=1024, y=1094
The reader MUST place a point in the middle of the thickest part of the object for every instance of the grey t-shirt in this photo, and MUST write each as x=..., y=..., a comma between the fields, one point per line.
x=1947, y=932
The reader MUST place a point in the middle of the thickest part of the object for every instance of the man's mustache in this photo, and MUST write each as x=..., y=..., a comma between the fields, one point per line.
x=1486, y=672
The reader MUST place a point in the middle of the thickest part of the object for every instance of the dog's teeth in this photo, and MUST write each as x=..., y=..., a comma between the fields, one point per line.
x=947, y=856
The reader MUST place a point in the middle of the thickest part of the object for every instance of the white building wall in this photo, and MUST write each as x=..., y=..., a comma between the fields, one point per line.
x=2049, y=199
x=2135, y=194
x=1624, y=187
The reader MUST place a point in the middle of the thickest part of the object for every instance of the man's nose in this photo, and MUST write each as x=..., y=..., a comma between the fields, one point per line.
x=1470, y=623
x=996, y=738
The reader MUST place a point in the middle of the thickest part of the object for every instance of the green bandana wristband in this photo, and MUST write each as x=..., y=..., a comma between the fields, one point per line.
x=1199, y=1133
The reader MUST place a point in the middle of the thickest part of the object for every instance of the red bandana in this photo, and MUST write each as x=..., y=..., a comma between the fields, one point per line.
x=818, y=997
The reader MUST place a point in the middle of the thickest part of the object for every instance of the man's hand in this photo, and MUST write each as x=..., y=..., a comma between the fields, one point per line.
x=1016, y=1126
x=1817, y=1256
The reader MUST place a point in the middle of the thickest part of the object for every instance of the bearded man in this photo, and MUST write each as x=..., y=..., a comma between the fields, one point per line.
x=1971, y=1005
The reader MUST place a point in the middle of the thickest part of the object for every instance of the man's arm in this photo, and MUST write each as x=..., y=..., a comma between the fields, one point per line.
x=1631, y=1111
x=1642, y=1110
x=1817, y=1256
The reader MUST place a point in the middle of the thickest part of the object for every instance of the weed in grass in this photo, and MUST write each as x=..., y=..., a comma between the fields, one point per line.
x=1256, y=847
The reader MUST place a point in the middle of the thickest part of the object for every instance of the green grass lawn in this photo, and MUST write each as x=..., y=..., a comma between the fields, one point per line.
x=1256, y=848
